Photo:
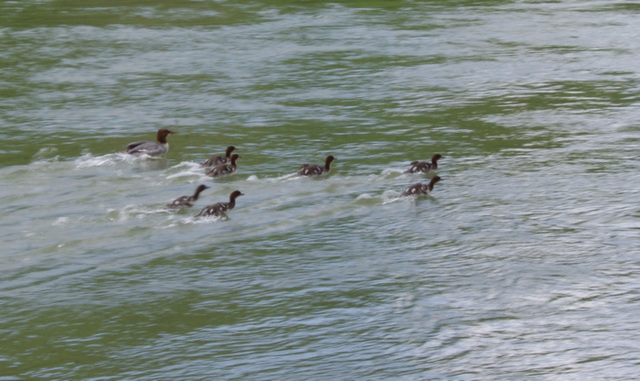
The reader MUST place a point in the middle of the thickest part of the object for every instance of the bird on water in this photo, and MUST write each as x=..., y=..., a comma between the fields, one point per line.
x=219, y=159
x=151, y=148
x=316, y=169
x=186, y=201
x=425, y=166
x=421, y=189
x=221, y=208
x=225, y=169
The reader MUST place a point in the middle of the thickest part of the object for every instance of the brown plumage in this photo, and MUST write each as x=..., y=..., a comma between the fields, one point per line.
x=185, y=201
x=421, y=189
x=220, y=209
x=216, y=160
x=424, y=166
x=225, y=168
x=315, y=169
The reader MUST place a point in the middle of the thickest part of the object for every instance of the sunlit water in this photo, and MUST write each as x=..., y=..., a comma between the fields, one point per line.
x=523, y=262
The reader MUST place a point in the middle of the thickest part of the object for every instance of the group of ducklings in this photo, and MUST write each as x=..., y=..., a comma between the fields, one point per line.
x=223, y=165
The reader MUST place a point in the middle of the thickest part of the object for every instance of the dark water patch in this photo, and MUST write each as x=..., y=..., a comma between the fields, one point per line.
x=523, y=253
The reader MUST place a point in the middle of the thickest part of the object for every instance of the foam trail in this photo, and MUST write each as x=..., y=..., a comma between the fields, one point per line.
x=186, y=169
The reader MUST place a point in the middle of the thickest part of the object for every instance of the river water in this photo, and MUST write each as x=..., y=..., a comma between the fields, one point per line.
x=522, y=264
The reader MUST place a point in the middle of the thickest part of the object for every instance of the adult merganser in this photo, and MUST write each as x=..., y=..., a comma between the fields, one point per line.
x=225, y=169
x=151, y=148
x=220, y=209
x=185, y=201
x=315, y=169
x=424, y=166
x=215, y=160
x=421, y=189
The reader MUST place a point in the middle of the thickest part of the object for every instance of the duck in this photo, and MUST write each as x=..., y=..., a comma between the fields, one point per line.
x=424, y=166
x=151, y=148
x=187, y=201
x=315, y=169
x=421, y=189
x=215, y=160
x=225, y=168
x=220, y=209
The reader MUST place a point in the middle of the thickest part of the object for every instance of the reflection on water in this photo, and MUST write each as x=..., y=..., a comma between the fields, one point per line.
x=520, y=263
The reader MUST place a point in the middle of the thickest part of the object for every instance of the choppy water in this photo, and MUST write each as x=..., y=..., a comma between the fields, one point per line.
x=523, y=264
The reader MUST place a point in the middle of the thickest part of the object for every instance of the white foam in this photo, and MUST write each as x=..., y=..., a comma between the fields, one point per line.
x=390, y=196
x=46, y=154
x=201, y=220
x=87, y=160
x=290, y=176
x=186, y=169
x=60, y=221
x=364, y=196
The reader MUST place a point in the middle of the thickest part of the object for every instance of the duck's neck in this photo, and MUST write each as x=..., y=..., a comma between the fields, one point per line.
x=197, y=194
x=432, y=184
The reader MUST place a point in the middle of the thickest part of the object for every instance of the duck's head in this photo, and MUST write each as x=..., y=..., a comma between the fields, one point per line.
x=163, y=133
x=235, y=194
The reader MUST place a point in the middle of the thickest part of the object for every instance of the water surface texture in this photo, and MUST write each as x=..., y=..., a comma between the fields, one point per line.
x=522, y=264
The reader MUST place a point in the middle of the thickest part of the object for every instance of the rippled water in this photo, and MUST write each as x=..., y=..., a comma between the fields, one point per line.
x=522, y=264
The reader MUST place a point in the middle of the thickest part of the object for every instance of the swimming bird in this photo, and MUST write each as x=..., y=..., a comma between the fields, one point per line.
x=225, y=168
x=220, y=209
x=151, y=148
x=421, y=189
x=424, y=166
x=315, y=169
x=185, y=201
x=215, y=160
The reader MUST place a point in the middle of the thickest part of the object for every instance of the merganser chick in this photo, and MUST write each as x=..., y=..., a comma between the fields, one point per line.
x=225, y=169
x=424, y=166
x=220, y=209
x=185, y=201
x=315, y=169
x=215, y=160
x=151, y=148
x=421, y=189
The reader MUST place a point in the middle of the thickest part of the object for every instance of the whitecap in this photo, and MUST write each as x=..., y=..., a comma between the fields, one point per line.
x=87, y=160
x=46, y=154
x=290, y=176
x=186, y=169
x=392, y=171
x=60, y=221
x=201, y=220
x=364, y=196
x=133, y=211
x=390, y=196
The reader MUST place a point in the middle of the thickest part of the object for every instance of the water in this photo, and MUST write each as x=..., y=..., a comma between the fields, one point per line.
x=521, y=264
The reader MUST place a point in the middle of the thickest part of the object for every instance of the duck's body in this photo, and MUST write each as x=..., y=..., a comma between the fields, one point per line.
x=216, y=160
x=225, y=168
x=425, y=166
x=220, y=209
x=151, y=148
x=421, y=189
x=315, y=169
x=187, y=201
